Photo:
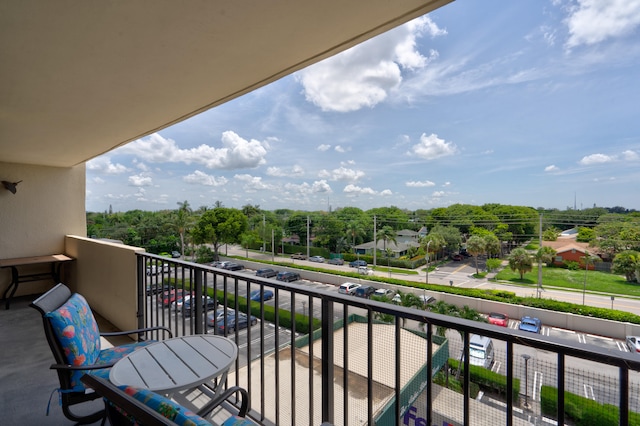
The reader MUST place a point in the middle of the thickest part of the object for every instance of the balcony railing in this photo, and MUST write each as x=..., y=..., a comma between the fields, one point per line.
x=314, y=355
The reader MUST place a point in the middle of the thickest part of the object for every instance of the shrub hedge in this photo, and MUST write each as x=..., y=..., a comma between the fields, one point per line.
x=489, y=380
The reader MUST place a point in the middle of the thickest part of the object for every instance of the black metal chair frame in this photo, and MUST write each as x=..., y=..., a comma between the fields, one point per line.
x=142, y=413
x=48, y=302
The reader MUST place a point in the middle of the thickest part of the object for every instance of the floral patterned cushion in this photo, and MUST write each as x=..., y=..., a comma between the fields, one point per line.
x=166, y=407
x=77, y=331
x=237, y=421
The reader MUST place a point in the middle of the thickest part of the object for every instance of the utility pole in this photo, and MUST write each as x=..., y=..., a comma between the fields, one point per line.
x=539, y=260
x=272, y=246
x=264, y=229
x=308, y=237
x=375, y=241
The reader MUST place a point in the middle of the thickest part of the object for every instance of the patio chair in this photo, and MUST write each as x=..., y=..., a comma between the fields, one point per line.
x=126, y=405
x=73, y=336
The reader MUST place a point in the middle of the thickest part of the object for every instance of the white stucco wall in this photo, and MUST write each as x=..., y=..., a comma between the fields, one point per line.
x=49, y=203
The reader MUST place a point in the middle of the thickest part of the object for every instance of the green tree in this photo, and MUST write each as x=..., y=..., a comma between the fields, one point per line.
x=386, y=234
x=183, y=221
x=627, y=263
x=354, y=230
x=476, y=246
x=219, y=226
x=545, y=254
x=492, y=245
x=247, y=239
x=450, y=234
x=586, y=235
x=519, y=260
x=493, y=264
x=434, y=241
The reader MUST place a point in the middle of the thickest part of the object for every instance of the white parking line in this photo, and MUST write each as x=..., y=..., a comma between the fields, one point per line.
x=537, y=385
x=622, y=346
x=496, y=367
x=588, y=392
x=582, y=338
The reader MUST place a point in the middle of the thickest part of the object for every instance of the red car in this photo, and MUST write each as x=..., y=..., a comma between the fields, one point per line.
x=499, y=319
x=168, y=297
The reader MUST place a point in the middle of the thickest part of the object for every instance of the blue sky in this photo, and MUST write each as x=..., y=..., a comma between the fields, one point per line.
x=527, y=102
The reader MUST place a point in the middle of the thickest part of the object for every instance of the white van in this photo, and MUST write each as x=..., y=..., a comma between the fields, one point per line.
x=481, y=351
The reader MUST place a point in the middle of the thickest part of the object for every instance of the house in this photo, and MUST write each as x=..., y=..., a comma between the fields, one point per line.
x=573, y=253
x=405, y=240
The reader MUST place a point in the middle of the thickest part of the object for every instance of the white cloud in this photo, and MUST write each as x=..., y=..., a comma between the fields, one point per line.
x=551, y=168
x=386, y=193
x=323, y=147
x=236, y=153
x=202, y=178
x=280, y=172
x=593, y=21
x=595, y=159
x=253, y=183
x=338, y=148
x=356, y=190
x=432, y=147
x=630, y=155
x=438, y=194
x=446, y=184
x=342, y=173
x=98, y=180
x=320, y=186
x=364, y=75
x=140, y=180
x=104, y=165
x=419, y=184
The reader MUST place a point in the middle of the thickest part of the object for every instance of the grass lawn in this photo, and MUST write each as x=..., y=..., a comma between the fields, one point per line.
x=565, y=278
x=381, y=268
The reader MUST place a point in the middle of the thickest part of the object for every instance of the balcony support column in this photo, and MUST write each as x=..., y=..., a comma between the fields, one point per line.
x=327, y=361
x=196, y=306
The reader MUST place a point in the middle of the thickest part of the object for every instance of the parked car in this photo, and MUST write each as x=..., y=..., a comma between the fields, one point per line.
x=233, y=322
x=287, y=276
x=299, y=256
x=497, y=318
x=168, y=297
x=348, y=288
x=531, y=324
x=177, y=304
x=356, y=263
x=384, y=292
x=364, y=291
x=255, y=295
x=456, y=257
x=633, y=343
x=318, y=259
x=336, y=261
x=397, y=299
x=232, y=266
x=363, y=270
x=266, y=273
x=175, y=254
x=208, y=304
x=481, y=352
x=219, y=263
x=218, y=315
x=426, y=299
x=158, y=288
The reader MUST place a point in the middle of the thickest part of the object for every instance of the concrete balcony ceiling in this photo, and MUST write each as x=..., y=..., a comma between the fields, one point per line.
x=79, y=78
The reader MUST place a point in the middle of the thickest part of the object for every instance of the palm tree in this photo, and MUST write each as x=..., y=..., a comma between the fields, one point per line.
x=386, y=234
x=354, y=230
x=476, y=245
x=183, y=220
x=519, y=260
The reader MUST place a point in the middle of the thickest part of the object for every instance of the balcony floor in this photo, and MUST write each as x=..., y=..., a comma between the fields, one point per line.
x=27, y=381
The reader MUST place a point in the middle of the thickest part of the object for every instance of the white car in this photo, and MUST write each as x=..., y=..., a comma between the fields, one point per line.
x=384, y=292
x=348, y=288
x=363, y=270
x=318, y=259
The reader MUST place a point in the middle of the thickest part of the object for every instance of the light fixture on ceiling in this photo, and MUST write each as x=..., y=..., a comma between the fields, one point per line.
x=11, y=186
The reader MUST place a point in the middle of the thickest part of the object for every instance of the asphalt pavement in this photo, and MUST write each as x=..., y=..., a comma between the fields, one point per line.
x=460, y=274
